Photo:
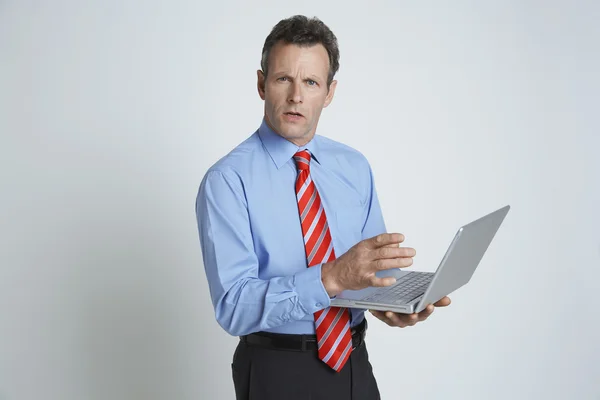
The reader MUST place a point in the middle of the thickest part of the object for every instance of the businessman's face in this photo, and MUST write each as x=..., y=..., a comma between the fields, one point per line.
x=295, y=90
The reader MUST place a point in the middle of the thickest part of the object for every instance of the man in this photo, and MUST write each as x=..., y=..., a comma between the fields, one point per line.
x=289, y=219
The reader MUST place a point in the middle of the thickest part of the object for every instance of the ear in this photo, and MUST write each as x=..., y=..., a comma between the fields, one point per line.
x=330, y=94
x=260, y=84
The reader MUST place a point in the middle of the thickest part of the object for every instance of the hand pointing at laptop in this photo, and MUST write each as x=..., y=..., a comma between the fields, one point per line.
x=356, y=270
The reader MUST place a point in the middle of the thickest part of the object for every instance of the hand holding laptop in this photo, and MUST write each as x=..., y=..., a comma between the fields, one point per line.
x=414, y=293
x=402, y=320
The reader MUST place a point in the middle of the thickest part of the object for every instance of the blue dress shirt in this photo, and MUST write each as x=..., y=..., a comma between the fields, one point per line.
x=251, y=238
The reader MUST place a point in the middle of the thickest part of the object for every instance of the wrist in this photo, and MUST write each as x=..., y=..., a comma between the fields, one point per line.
x=332, y=287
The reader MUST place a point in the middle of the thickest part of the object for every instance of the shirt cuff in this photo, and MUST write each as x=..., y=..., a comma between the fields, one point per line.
x=311, y=292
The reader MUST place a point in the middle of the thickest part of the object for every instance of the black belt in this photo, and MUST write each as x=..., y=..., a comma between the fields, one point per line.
x=292, y=342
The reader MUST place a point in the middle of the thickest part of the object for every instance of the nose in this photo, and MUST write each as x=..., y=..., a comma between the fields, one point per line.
x=295, y=95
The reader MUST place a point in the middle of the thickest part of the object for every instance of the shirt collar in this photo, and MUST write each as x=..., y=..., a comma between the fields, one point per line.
x=282, y=150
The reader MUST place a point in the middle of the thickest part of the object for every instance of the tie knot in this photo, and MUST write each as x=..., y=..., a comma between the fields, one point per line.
x=302, y=159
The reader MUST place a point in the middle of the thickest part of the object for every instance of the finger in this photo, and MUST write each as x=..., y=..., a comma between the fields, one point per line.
x=393, y=263
x=443, y=302
x=413, y=319
x=423, y=315
x=380, y=315
x=387, y=252
x=401, y=320
x=384, y=239
x=382, y=282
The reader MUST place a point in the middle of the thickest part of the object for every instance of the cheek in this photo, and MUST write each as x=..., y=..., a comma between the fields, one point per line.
x=274, y=106
x=275, y=94
x=316, y=110
x=317, y=103
x=270, y=105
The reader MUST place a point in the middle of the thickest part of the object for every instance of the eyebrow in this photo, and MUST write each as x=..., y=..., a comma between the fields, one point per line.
x=312, y=77
x=315, y=78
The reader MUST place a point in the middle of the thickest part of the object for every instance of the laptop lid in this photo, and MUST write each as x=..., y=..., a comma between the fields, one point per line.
x=463, y=256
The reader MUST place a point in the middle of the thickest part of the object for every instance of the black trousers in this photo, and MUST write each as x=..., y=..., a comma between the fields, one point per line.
x=261, y=373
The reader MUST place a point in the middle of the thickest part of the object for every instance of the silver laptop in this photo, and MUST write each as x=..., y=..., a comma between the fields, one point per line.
x=414, y=290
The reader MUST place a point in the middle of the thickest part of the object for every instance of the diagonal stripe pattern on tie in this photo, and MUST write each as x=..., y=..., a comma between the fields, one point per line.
x=333, y=323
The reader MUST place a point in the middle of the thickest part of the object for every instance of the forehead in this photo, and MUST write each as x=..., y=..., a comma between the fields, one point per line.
x=286, y=57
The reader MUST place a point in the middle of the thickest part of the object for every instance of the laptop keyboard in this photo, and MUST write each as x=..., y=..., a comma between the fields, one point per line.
x=404, y=290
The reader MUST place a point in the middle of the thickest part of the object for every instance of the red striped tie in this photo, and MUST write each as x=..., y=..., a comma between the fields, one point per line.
x=333, y=323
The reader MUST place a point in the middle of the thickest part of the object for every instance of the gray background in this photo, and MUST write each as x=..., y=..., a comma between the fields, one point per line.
x=111, y=112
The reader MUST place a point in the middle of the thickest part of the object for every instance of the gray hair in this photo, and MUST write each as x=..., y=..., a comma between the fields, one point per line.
x=303, y=31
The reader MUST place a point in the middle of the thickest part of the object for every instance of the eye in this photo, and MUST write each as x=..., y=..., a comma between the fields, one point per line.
x=311, y=82
x=282, y=79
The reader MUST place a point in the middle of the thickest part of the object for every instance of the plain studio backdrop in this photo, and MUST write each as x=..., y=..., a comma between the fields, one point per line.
x=112, y=111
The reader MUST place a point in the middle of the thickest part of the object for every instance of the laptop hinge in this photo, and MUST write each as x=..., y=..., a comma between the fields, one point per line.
x=416, y=298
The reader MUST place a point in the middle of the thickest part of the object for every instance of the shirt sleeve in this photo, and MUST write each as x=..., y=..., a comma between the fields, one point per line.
x=374, y=223
x=243, y=302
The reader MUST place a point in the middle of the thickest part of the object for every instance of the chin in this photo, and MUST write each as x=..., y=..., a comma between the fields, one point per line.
x=294, y=130
x=290, y=131
x=293, y=133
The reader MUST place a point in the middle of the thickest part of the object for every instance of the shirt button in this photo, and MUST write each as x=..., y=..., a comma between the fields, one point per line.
x=319, y=305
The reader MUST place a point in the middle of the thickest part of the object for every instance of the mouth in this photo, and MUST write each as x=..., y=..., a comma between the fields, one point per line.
x=293, y=114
